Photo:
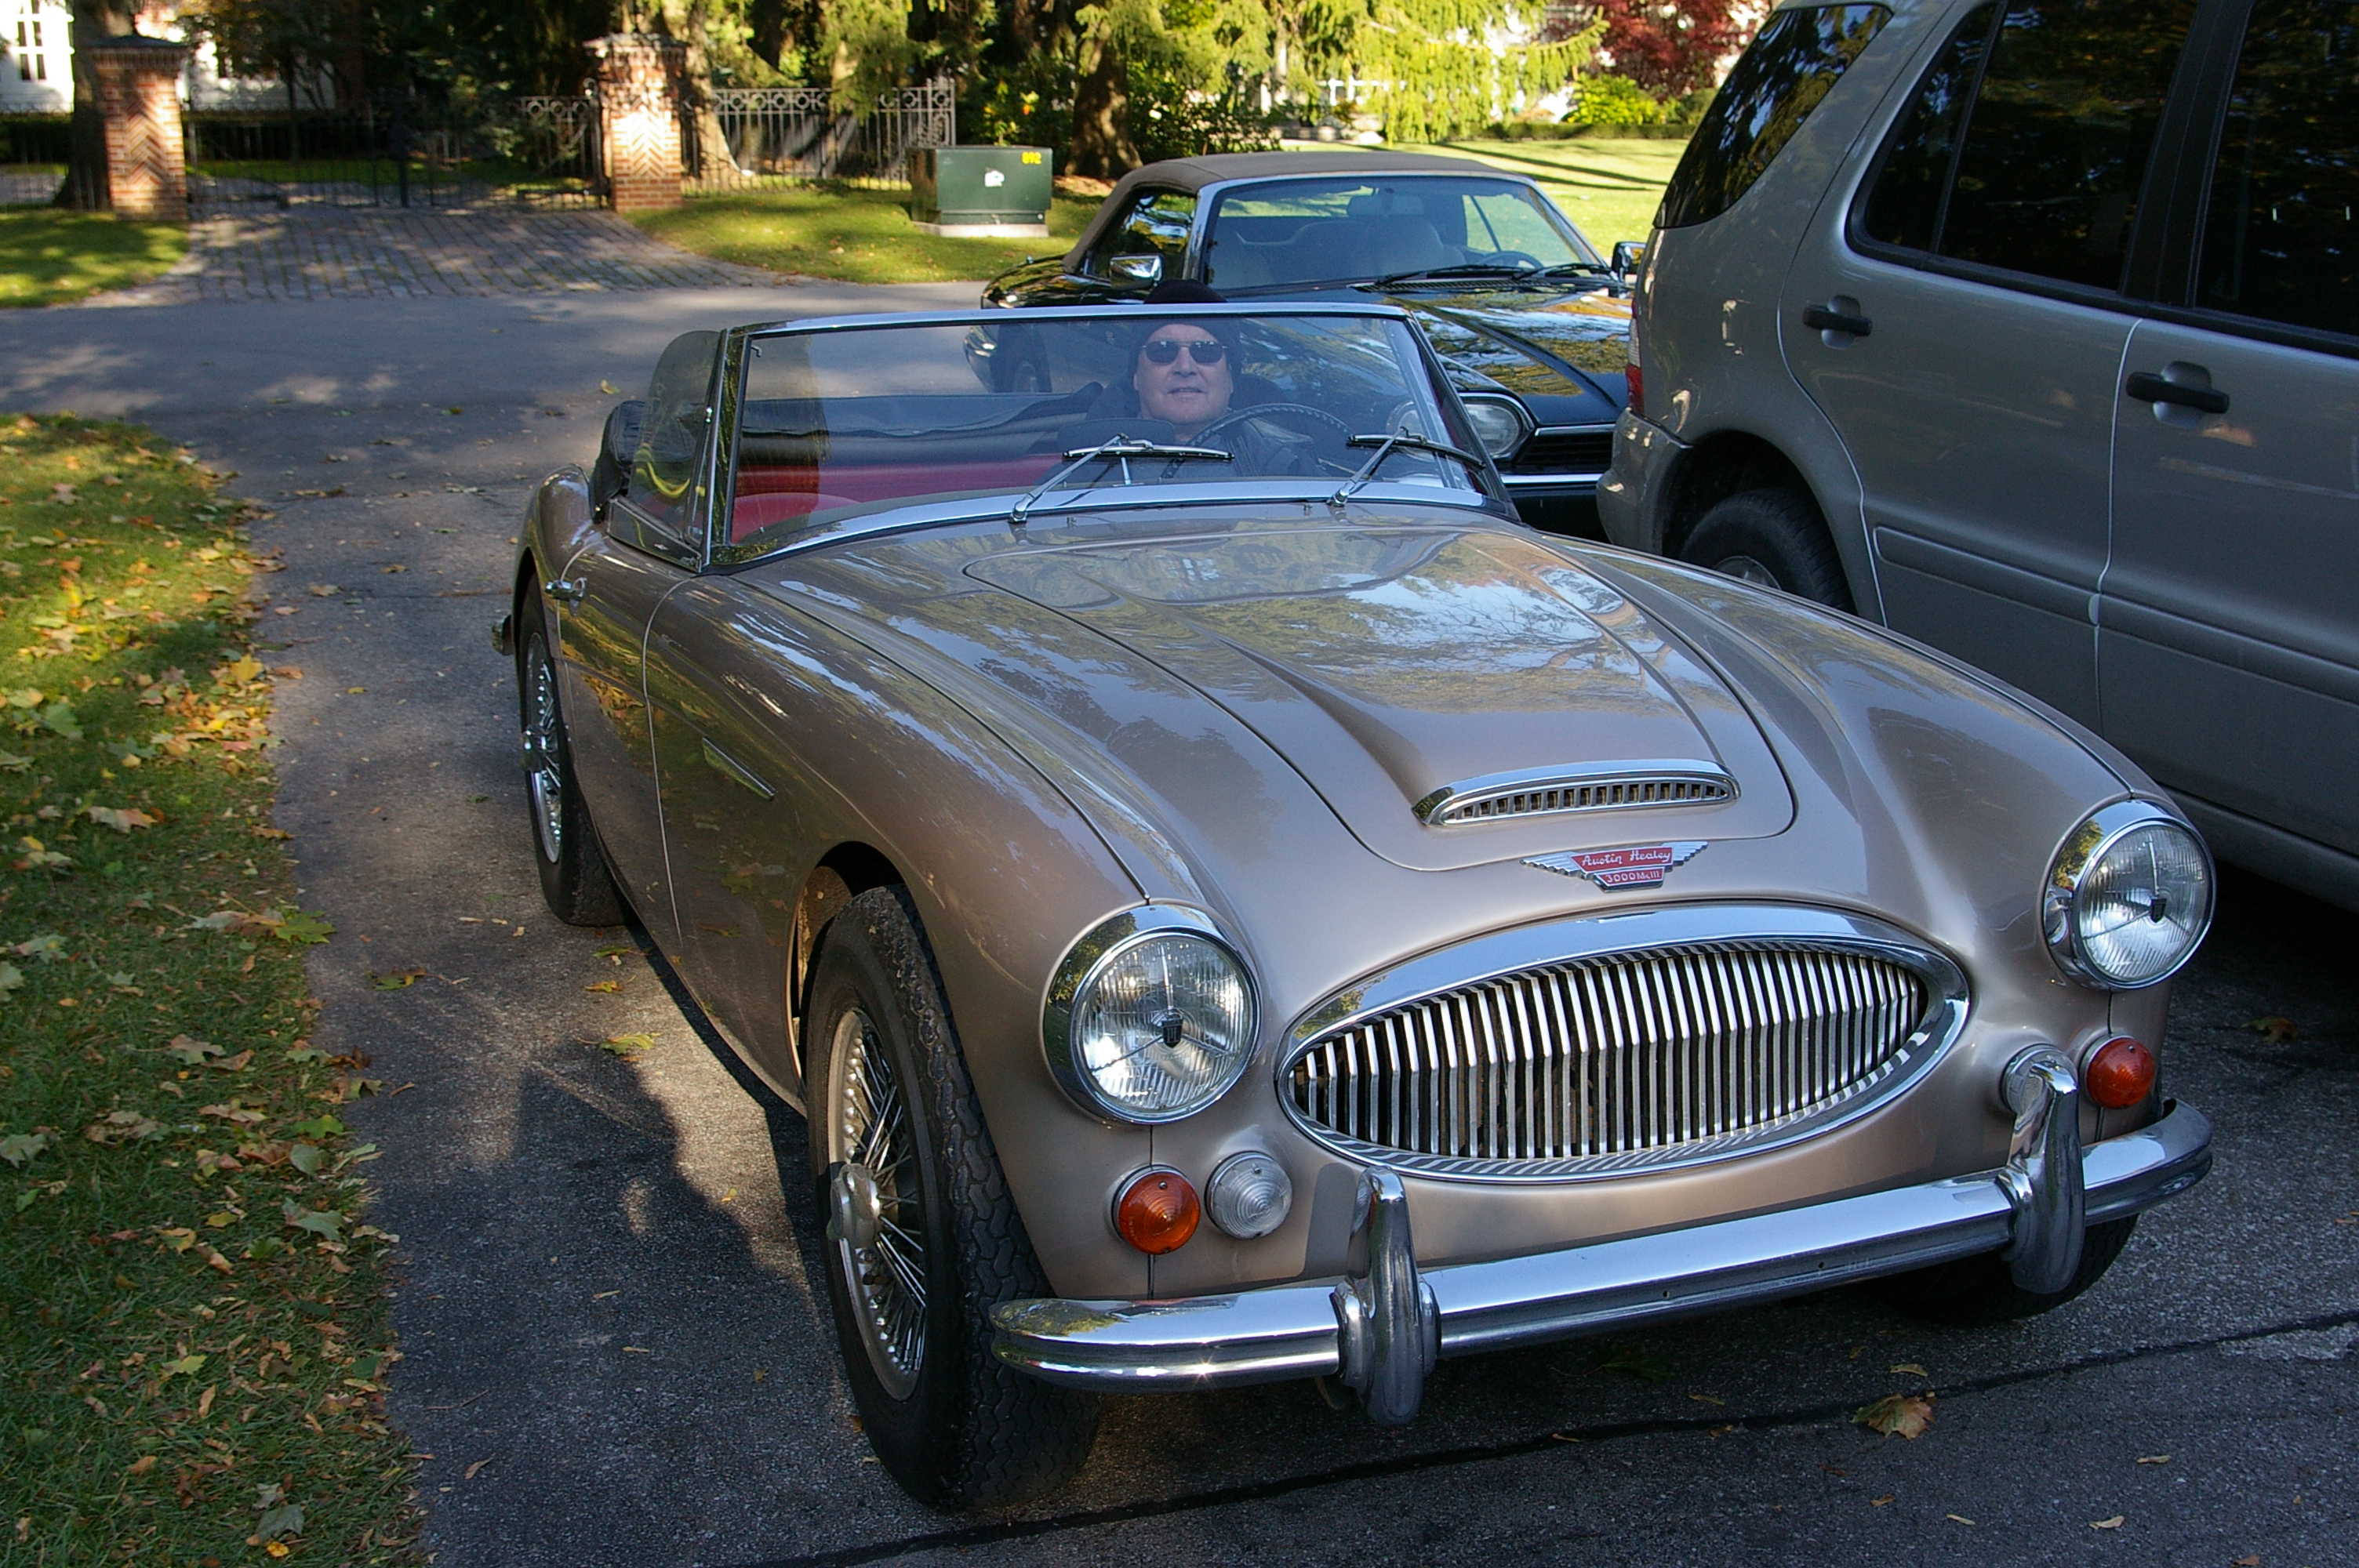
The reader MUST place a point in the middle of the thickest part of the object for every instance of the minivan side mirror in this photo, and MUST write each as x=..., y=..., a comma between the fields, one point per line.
x=1627, y=256
x=1147, y=269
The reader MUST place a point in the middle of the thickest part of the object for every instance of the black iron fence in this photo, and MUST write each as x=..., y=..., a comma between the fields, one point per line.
x=774, y=135
x=33, y=153
x=537, y=152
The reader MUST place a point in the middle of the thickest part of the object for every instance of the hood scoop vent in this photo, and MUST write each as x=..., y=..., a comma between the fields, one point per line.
x=1551, y=791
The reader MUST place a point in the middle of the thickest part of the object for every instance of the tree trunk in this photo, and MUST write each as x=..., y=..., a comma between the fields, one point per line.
x=1102, y=145
x=86, y=188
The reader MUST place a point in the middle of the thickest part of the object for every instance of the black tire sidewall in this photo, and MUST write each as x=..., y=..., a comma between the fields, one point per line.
x=1783, y=531
x=577, y=886
x=1979, y=1291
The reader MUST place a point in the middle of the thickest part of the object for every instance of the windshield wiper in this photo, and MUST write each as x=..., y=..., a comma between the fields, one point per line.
x=1398, y=441
x=1464, y=269
x=1123, y=447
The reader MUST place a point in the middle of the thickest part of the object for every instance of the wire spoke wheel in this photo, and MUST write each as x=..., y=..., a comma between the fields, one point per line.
x=544, y=777
x=882, y=1252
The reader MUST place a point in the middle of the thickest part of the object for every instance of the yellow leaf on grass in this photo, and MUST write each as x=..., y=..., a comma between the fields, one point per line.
x=1906, y=1414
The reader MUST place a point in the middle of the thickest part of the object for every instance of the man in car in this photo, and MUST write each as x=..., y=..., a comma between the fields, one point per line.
x=1184, y=373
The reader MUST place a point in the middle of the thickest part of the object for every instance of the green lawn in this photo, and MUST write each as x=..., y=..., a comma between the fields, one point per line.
x=48, y=257
x=1608, y=187
x=192, y=1320
x=848, y=233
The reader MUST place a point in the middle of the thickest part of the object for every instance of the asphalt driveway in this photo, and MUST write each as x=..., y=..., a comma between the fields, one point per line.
x=614, y=1325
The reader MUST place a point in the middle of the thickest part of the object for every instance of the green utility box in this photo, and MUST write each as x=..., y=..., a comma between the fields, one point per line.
x=981, y=192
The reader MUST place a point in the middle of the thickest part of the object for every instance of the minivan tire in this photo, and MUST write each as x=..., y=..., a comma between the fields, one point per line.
x=1775, y=539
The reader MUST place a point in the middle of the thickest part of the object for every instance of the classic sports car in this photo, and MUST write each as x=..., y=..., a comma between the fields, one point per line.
x=1236, y=904
x=1519, y=305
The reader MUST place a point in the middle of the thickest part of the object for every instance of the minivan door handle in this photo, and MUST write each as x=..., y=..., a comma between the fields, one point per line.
x=2149, y=387
x=1823, y=318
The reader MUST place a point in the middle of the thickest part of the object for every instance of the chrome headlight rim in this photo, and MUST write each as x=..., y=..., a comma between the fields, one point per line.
x=1516, y=411
x=2085, y=847
x=1089, y=956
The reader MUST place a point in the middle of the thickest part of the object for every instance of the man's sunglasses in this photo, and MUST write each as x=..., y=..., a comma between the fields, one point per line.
x=1203, y=350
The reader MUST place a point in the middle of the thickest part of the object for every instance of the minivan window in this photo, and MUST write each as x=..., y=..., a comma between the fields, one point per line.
x=2058, y=135
x=1793, y=63
x=2281, y=240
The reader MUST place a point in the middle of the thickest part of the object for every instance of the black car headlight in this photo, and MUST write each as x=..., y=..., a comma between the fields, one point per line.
x=2129, y=898
x=1150, y=1017
x=1500, y=424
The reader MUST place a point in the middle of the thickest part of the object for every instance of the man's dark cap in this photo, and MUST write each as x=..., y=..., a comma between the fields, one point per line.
x=1185, y=291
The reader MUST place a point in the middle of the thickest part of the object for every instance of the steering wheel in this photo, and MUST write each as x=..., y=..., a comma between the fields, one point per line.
x=1277, y=412
x=1509, y=258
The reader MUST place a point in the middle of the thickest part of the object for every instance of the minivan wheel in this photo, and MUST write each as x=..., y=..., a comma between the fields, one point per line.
x=1775, y=539
x=923, y=1236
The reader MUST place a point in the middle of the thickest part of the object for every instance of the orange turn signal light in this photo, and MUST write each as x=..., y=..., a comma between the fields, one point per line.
x=1157, y=1210
x=2120, y=1073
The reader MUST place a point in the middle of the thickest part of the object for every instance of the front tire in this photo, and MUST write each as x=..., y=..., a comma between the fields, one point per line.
x=574, y=878
x=1775, y=539
x=923, y=1238
x=1973, y=1293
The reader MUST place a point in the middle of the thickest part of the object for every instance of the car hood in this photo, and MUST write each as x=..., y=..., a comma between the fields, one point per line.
x=1379, y=665
x=1536, y=345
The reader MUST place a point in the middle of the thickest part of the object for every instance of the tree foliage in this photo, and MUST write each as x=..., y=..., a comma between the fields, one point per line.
x=1448, y=68
x=1673, y=46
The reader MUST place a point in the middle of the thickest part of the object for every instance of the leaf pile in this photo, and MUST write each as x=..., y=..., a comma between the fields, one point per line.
x=193, y=1337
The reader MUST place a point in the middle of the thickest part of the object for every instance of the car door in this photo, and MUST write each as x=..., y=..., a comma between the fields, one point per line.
x=2228, y=648
x=1961, y=325
x=605, y=599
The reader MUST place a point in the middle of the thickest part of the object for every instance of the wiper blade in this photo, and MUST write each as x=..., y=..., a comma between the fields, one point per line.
x=1385, y=445
x=1464, y=269
x=1123, y=447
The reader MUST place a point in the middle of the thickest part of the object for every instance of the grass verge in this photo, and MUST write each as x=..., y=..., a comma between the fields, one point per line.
x=48, y=257
x=845, y=232
x=192, y=1324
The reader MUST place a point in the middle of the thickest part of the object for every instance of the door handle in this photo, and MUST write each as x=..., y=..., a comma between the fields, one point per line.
x=2149, y=387
x=1820, y=318
x=563, y=590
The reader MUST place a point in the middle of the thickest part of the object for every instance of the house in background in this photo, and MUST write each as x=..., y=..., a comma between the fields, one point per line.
x=37, y=65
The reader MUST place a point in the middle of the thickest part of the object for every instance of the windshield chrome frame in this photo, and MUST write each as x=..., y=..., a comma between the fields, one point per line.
x=1489, y=496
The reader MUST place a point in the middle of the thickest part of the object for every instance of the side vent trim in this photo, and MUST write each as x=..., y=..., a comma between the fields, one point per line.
x=1550, y=792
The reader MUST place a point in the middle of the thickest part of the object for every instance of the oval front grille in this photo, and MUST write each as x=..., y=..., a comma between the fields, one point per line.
x=1617, y=1062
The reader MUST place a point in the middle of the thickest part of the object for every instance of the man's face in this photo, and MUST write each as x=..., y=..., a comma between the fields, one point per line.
x=1188, y=392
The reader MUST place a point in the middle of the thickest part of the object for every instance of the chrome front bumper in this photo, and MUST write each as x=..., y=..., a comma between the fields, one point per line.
x=1380, y=1333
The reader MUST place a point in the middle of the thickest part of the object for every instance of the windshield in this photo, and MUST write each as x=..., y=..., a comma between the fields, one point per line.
x=1287, y=234
x=840, y=422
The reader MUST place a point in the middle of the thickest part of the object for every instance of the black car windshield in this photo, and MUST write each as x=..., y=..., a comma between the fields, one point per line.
x=841, y=422
x=1286, y=233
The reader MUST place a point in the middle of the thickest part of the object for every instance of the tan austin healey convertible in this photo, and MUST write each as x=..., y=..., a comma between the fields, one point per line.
x=1235, y=906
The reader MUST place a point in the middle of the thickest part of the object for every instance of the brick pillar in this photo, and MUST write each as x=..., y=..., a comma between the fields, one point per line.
x=139, y=100
x=639, y=119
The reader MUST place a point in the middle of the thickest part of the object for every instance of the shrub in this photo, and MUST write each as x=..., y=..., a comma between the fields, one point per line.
x=1614, y=101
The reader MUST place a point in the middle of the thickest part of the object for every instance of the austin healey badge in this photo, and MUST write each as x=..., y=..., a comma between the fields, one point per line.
x=1642, y=866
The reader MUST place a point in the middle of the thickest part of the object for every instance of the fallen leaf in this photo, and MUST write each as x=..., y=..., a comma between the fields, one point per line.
x=306, y=1158
x=319, y=1222
x=19, y=1146
x=1636, y=1362
x=2154, y=1458
x=609, y=987
x=1832, y=1471
x=1879, y=1502
x=476, y=1467
x=1911, y=1367
x=234, y=1113
x=191, y=1050
x=2275, y=1028
x=1906, y=1414
x=122, y=821
x=627, y=1044
x=608, y=387
x=394, y=980
x=2252, y=1562
x=1961, y=1519
x=232, y=1064
x=1706, y=1399
x=325, y=591
x=2113, y=1523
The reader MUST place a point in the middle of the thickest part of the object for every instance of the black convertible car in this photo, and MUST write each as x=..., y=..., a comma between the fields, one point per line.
x=1532, y=322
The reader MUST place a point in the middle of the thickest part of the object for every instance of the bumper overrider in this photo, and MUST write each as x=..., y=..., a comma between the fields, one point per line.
x=1381, y=1333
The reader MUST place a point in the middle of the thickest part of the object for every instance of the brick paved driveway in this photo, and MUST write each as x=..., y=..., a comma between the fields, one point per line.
x=331, y=253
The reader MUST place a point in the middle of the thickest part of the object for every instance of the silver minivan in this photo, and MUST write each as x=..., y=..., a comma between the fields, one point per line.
x=2030, y=327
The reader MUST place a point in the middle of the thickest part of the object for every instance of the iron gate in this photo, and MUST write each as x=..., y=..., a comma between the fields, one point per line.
x=537, y=152
x=34, y=150
x=772, y=136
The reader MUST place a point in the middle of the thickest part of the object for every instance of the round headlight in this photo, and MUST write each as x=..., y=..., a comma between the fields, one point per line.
x=2129, y=898
x=1151, y=1018
x=1499, y=425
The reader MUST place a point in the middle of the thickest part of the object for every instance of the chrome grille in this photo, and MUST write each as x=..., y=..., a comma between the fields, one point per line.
x=1616, y=1062
x=1542, y=799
